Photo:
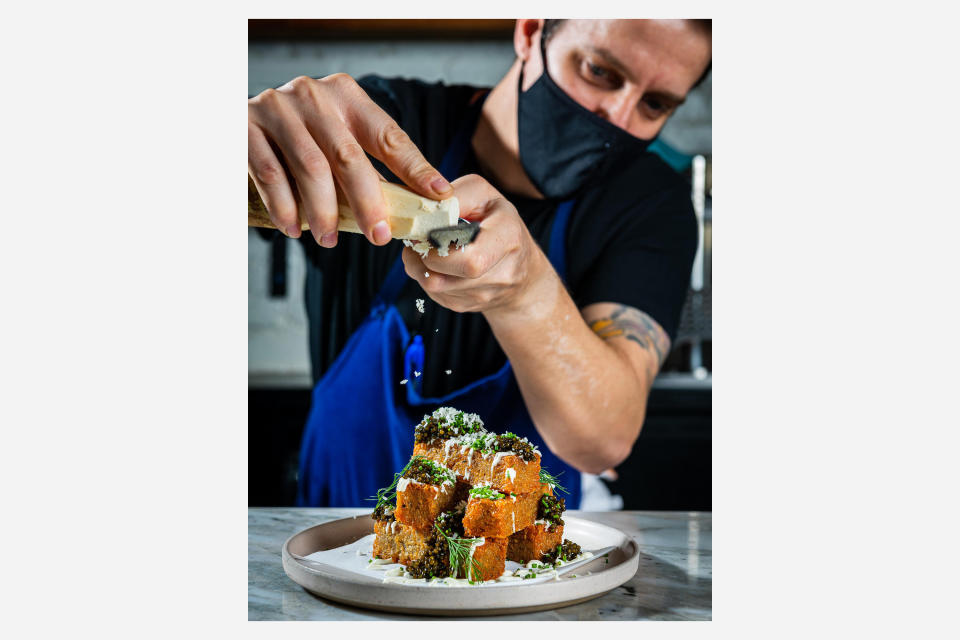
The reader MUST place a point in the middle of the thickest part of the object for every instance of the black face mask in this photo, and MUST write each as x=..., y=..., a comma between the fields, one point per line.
x=564, y=146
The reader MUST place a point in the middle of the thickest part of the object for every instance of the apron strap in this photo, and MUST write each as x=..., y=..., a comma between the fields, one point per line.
x=557, y=249
x=393, y=285
x=453, y=159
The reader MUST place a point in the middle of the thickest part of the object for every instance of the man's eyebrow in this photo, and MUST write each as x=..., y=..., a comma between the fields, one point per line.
x=613, y=61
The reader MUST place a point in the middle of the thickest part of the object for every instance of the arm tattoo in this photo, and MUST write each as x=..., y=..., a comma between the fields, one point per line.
x=633, y=324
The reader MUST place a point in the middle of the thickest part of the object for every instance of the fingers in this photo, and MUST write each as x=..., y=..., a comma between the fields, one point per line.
x=271, y=181
x=476, y=196
x=457, y=294
x=499, y=237
x=320, y=131
x=415, y=268
x=357, y=178
x=310, y=170
x=379, y=134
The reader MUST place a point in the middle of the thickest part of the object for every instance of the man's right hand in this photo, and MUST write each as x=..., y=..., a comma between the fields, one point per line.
x=318, y=130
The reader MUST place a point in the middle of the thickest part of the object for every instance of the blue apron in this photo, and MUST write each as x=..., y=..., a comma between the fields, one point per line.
x=360, y=428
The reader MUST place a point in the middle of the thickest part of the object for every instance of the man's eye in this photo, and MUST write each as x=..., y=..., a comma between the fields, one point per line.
x=600, y=76
x=599, y=72
x=655, y=108
x=654, y=104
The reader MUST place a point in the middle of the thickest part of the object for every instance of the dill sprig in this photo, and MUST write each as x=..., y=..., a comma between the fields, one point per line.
x=459, y=553
x=388, y=495
x=548, y=478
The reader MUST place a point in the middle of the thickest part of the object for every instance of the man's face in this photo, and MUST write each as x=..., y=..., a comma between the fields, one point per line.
x=633, y=73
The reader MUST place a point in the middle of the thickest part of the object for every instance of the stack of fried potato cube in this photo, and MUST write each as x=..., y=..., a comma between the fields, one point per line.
x=488, y=486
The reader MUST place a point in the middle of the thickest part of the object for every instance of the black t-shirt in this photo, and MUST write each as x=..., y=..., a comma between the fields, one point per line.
x=630, y=240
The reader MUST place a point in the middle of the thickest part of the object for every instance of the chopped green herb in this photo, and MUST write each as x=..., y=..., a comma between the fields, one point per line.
x=485, y=493
x=446, y=423
x=429, y=472
x=563, y=553
x=550, y=509
x=512, y=442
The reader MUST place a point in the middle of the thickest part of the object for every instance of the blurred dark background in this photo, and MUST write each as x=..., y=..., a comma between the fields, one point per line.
x=670, y=466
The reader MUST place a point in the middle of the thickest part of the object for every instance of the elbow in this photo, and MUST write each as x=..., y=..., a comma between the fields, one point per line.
x=607, y=457
x=599, y=451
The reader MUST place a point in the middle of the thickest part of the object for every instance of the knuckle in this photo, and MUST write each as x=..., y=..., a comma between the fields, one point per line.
x=393, y=139
x=267, y=97
x=474, y=266
x=314, y=164
x=349, y=154
x=302, y=86
x=269, y=173
x=283, y=215
x=340, y=81
x=301, y=82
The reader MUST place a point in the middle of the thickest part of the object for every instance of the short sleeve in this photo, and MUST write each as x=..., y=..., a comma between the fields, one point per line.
x=646, y=260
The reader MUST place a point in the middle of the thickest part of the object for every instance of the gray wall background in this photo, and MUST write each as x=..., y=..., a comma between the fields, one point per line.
x=277, y=333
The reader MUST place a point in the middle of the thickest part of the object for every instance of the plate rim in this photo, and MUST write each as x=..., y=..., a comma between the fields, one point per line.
x=327, y=582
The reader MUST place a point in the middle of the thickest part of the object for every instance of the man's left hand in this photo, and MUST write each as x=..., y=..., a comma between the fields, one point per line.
x=498, y=270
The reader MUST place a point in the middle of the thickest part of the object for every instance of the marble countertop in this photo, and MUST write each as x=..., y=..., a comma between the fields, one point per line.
x=674, y=580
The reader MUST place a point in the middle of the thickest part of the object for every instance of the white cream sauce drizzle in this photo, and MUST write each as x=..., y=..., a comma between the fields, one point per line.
x=403, y=482
x=511, y=473
x=499, y=456
x=533, y=569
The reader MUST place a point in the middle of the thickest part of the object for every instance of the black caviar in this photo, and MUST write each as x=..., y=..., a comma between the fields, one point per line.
x=383, y=512
x=427, y=471
x=451, y=523
x=434, y=429
x=512, y=442
x=550, y=509
x=566, y=552
x=435, y=563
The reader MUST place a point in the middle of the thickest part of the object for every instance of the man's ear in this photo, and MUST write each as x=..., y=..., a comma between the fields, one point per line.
x=523, y=34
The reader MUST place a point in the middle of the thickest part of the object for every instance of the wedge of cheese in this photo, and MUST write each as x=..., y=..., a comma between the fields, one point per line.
x=411, y=216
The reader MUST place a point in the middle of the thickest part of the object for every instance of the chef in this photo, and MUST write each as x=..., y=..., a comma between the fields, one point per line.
x=555, y=321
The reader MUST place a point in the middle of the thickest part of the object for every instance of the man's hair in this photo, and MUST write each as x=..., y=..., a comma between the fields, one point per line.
x=550, y=27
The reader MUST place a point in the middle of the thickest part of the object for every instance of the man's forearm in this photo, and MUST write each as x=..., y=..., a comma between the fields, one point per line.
x=586, y=400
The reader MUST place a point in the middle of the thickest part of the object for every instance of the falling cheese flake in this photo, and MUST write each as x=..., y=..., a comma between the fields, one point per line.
x=426, y=274
x=449, y=371
x=416, y=374
x=404, y=381
x=420, y=305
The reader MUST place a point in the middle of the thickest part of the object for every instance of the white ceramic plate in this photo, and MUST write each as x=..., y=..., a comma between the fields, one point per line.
x=334, y=576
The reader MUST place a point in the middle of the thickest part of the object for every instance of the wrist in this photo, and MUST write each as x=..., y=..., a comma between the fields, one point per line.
x=536, y=293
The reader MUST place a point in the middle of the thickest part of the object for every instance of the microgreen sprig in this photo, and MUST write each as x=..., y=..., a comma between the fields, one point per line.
x=548, y=478
x=387, y=495
x=459, y=554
